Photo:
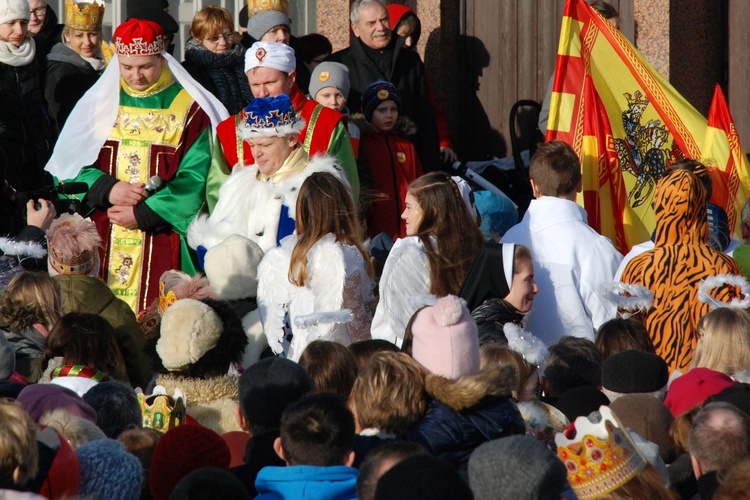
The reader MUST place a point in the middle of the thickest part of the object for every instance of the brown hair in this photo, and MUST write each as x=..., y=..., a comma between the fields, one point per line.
x=18, y=446
x=494, y=354
x=648, y=483
x=331, y=366
x=679, y=430
x=366, y=349
x=389, y=393
x=723, y=341
x=733, y=482
x=86, y=339
x=324, y=206
x=210, y=20
x=606, y=10
x=622, y=334
x=447, y=222
x=29, y=298
x=555, y=169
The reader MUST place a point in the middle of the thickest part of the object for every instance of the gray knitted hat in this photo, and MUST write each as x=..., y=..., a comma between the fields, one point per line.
x=518, y=467
x=260, y=23
x=330, y=74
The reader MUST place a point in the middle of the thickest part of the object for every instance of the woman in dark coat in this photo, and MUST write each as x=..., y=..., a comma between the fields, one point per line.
x=25, y=134
x=216, y=59
x=74, y=64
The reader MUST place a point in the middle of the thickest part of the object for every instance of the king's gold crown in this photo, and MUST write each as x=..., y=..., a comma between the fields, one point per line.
x=83, y=16
x=257, y=6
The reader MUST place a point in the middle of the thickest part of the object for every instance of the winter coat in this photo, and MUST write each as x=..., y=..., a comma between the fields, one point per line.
x=259, y=453
x=307, y=482
x=407, y=72
x=28, y=344
x=84, y=294
x=69, y=76
x=491, y=316
x=465, y=414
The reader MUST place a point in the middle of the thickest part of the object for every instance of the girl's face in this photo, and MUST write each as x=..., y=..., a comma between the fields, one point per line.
x=523, y=288
x=14, y=31
x=413, y=215
x=84, y=43
x=385, y=115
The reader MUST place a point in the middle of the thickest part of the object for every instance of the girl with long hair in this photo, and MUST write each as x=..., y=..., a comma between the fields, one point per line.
x=316, y=285
x=442, y=241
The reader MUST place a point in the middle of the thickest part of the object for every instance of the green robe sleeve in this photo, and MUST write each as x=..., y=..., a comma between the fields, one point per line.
x=217, y=174
x=340, y=146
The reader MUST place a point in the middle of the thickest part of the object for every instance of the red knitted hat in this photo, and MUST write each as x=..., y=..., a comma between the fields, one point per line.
x=694, y=388
x=138, y=37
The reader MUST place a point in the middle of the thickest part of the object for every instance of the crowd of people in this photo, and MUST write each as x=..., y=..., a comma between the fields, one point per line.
x=259, y=282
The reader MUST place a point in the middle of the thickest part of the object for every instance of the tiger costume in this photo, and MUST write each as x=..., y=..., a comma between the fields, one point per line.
x=682, y=257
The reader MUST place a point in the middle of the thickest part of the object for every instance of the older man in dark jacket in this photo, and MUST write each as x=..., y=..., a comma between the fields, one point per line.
x=376, y=54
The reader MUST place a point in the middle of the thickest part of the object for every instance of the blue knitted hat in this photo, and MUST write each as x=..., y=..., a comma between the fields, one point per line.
x=377, y=92
x=109, y=471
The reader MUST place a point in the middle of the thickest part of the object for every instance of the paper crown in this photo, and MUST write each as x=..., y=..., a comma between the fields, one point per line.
x=269, y=117
x=160, y=411
x=257, y=6
x=83, y=16
x=139, y=37
x=72, y=242
x=599, y=454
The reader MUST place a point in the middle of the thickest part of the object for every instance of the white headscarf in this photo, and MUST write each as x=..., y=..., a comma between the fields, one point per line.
x=89, y=124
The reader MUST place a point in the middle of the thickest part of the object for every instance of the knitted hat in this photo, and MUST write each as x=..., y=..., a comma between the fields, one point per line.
x=330, y=74
x=634, y=371
x=376, y=93
x=10, y=10
x=269, y=386
x=266, y=14
x=270, y=55
x=73, y=244
x=138, y=37
x=580, y=401
x=109, y=471
x=422, y=477
x=269, y=117
x=232, y=267
x=649, y=418
x=445, y=339
x=7, y=359
x=180, y=451
x=515, y=467
x=38, y=399
x=210, y=482
x=694, y=388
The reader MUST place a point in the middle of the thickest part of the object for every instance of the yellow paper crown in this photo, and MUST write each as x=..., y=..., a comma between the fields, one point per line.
x=83, y=16
x=160, y=411
x=600, y=457
x=257, y=6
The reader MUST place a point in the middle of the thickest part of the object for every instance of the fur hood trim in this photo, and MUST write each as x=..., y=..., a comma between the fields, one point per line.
x=468, y=391
x=22, y=248
x=404, y=125
x=201, y=390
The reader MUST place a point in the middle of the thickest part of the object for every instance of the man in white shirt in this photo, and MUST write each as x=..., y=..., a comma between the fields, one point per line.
x=571, y=259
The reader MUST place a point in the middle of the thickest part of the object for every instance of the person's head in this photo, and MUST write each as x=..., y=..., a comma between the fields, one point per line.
x=73, y=246
x=37, y=15
x=116, y=405
x=141, y=444
x=718, y=437
x=270, y=69
x=571, y=362
x=679, y=430
x=370, y=23
x=213, y=27
x=622, y=334
x=381, y=102
x=523, y=287
x=329, y=85
x=389, y=393
x=555, y=170
x=434, y=209
x=268, y=21
x=607, y=11
x=422, y=477
x=331, y=366
x=405, y=23
x=76, y=430
x=83, y=27
x=18, y=448
x=266, y=388
x=31, y=298
x=270, y=126
x=324, y=206
x=14, y=21
x=139, y=45
x=210, y=482
x=634, y=372
x=313, y=49
x=525, y=381
x=86, y=339
x=379, y=461
x=317, y=430
x=733, y=483
x=723, y=341
x=363, y=350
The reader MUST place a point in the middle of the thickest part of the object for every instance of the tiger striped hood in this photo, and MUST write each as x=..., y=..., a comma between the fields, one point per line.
x=680, y=209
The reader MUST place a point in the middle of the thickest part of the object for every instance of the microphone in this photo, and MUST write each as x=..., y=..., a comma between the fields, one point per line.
x=153, y=184
x=71, y=188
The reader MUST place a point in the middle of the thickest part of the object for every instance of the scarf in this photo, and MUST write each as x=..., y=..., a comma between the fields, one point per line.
x=226, y=72
x=17, y=56
x=79, y=371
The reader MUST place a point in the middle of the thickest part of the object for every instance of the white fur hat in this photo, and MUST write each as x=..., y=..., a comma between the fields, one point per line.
x=232, y=267
x=189, y=329
x=10, y=10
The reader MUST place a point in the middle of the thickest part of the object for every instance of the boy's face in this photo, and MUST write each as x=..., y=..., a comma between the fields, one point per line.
x=384, y=117
x=331, y=97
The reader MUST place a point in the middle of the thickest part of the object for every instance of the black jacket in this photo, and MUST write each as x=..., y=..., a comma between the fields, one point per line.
x=69, y=76
x=407, y=73
x=491, y=317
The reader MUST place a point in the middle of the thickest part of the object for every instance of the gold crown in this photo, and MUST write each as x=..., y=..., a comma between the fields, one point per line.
x=160, y=411
x=165, y=299
x=257, y=6
x=600, y=456
x=83, y=16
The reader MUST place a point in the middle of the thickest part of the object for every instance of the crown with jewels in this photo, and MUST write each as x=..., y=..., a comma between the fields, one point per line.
x=160, y=411
x=270, y=117
x=257, y=6
x=599, y=454
x=84, y=16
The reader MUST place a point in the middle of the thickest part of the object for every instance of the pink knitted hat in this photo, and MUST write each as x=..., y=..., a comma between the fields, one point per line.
x=445, y=339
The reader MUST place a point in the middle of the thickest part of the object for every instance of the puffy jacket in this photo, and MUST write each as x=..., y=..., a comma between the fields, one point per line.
x=466, y=413
x=491, y=316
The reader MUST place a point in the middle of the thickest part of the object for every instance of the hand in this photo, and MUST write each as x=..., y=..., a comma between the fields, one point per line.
x=123, y=215
x=448, y=155
x=43, y=217
x=124, y=193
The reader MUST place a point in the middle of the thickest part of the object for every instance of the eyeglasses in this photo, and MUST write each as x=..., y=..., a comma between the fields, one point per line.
x=228, y=36
x=39, y=12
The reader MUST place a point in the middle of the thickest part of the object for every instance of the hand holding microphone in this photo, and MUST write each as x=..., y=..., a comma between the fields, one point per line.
x=124, y=193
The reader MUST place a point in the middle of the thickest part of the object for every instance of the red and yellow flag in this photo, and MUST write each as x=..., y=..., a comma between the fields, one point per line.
x=628, y=124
